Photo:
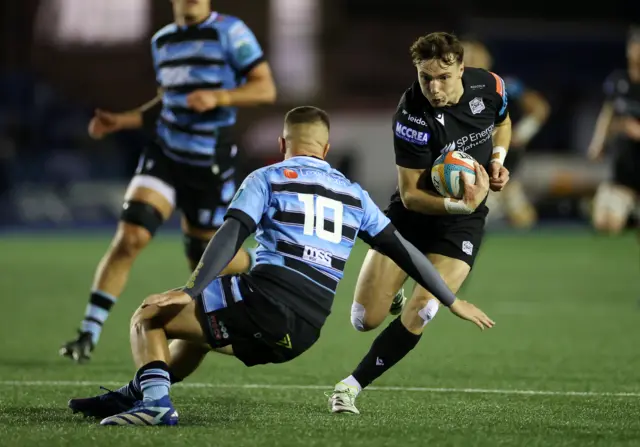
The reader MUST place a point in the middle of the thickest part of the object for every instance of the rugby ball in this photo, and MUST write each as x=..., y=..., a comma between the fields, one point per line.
x=446, y=170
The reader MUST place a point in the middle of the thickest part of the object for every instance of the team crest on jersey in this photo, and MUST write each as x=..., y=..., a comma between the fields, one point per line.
x=476, y=105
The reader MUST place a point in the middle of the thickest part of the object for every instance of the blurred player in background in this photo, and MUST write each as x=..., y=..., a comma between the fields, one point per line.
x=307, y=216
x=529, y=111
x=207, y=64
x=449, y=107
x=619, y=122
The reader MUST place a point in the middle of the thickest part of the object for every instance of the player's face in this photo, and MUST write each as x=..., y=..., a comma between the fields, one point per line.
x=191, y=9
x=440, y=83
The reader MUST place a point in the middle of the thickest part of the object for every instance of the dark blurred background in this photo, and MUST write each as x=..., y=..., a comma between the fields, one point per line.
x=60, y=59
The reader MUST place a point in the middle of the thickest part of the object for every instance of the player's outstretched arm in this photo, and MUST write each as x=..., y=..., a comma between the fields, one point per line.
x=219, y=252
x=103, y=123
x=416, y=265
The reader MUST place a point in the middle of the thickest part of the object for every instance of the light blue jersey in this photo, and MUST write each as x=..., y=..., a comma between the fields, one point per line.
x=215, y=54
x=515, y=88
x=307, y=216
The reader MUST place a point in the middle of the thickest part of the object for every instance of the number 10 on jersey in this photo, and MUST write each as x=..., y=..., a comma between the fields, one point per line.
x=314, y=217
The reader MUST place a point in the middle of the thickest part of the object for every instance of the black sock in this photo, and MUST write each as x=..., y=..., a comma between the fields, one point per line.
x=387, y=349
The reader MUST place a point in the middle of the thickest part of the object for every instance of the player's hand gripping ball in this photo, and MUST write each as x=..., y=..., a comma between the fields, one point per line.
x=446, y=170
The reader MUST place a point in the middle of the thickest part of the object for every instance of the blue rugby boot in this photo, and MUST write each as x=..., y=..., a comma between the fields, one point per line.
x=150, y=412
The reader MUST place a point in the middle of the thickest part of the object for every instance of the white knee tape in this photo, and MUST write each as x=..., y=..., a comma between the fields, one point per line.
x=613, y=200
x=357, y=316
x=429, y=311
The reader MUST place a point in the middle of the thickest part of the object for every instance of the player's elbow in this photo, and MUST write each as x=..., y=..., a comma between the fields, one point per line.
x=269, y=93
x=409, y=199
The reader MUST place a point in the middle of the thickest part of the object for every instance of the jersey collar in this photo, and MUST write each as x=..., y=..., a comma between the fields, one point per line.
x=309, y=160
x=209, y=20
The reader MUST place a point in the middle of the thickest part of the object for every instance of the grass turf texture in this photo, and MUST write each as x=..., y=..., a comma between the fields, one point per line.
x=566, y=306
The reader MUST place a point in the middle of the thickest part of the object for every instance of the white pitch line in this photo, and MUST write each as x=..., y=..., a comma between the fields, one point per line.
x=266, y=386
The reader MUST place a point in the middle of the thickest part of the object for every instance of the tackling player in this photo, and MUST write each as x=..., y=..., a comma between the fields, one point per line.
x=533, y=110
x=306, y=217
x=207, y=64
x=619, y=119
x=449, y=107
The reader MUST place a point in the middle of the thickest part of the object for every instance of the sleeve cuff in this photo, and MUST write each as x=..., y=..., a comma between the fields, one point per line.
x=242, y=217
x=245, y=70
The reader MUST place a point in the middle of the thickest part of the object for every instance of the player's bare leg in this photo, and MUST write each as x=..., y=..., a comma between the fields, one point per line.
x=151, y=328
x=196, y=242
x=422, y=306
x=612, y=206
x=113, y=270
x=400, y=337
x=185, y=358
x=148, y=208
x=517, y=206
x=377, y=286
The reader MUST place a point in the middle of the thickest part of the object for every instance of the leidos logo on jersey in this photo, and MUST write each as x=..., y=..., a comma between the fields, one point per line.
x=417, y=120
x=412, y=135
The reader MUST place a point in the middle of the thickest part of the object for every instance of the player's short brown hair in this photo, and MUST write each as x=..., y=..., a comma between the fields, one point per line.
x=444, y=47
x=306, y=115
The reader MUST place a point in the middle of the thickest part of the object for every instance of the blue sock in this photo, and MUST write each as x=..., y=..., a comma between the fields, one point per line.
x=96, y=313
x=154, y=380
x=132, y=389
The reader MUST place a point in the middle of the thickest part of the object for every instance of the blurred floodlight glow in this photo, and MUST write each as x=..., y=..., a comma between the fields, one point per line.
x=293, y=43
x=93, y=22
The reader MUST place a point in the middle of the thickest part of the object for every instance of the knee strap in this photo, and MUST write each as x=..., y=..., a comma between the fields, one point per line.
x=142, y=214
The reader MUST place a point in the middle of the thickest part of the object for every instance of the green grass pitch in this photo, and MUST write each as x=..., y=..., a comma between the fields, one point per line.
x=561, y=367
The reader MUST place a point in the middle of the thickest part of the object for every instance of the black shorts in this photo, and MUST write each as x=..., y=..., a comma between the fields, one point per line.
x=200, y=193
x=260, y=331
x=626, y=165
x=457, y=237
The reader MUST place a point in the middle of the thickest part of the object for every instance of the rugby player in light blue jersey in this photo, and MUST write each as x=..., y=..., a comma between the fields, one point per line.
x=306, y=217
x=207, y=65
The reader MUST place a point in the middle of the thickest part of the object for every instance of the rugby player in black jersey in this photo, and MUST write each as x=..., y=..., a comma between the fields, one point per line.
x=449, y=107
x=619, y=121
x=529, y=111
